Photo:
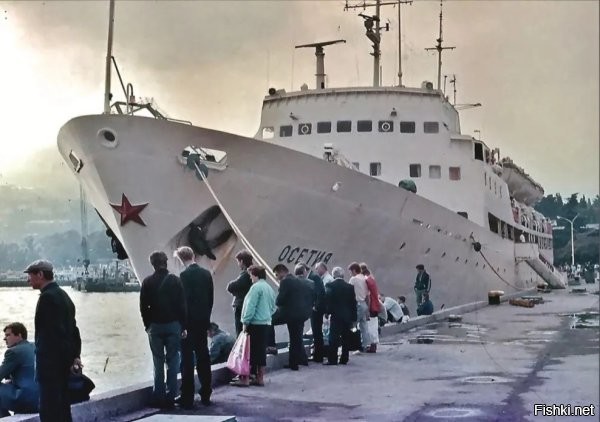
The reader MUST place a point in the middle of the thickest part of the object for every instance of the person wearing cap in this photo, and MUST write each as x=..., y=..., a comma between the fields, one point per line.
x=57, y=343
x=422, y=283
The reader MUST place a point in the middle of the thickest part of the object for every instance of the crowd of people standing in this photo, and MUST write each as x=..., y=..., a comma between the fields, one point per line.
x=176, y=314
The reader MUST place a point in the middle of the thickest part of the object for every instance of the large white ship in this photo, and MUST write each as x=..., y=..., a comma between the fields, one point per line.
x=319, y=182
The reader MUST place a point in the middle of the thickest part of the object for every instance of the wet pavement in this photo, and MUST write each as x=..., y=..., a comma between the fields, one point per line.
x=494, y=365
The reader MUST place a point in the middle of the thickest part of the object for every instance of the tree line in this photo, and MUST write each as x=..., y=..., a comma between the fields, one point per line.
x=586, y=211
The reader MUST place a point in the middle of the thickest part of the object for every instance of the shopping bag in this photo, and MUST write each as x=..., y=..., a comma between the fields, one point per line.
x=239, y=358
x=373, y=328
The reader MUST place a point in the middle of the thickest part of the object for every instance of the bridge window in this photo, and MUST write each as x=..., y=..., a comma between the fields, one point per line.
x=415, y=170
x=463, y=214
x=386, y=126
x=324, y=127
x=304, y=128
x=478, y=151
x=431, y=127
x=407, y=127
x=285, y=131
x=435, y=172
x=364, y=126
x=454, y=173
x=344, y=126
x=375, y=169
x=268, y=132
x=356, y=165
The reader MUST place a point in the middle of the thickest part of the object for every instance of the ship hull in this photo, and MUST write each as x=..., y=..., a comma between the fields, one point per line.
x=284, y=202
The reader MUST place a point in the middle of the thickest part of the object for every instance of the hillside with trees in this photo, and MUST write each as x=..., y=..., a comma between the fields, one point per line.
x=586, y=212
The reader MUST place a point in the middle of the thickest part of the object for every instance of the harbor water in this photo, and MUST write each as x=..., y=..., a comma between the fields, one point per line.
x=110, y=325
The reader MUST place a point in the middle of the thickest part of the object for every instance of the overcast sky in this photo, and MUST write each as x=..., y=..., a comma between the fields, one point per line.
x=532, y=64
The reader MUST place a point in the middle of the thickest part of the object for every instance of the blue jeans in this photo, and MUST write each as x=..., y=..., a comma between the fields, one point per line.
x=363, y=314
x=165, y=337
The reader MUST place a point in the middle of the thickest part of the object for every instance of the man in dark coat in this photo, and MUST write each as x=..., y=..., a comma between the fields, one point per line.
x=239, y=287
x=21, y=393
x=302, y=271
x=422, y=283
x=293, y=302
x=341, y=306
x=57, y=343
x=163, y=309
x=199, y=295
x=316, y=318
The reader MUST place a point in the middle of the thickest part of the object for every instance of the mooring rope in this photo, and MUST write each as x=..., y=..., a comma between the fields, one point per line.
x=255, y=255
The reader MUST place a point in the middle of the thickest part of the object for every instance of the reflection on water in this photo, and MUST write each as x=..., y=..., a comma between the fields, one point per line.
x=110, y=326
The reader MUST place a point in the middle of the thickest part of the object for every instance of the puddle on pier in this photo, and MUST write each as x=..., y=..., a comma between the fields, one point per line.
x=585, y=320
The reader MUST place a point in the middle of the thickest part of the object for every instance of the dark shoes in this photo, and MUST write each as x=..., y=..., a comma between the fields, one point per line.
x=330, y=363
x=272, y=351
x=184, y=403
x=292, y=367
x=206, y=401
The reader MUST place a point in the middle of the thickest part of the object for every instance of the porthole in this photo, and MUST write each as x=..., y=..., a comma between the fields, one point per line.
x=466, y=261
x=477, y=264
x=427, y=251
x=402, y=246
x=444, y=254
x=484, y=266
x=108, y=137
x=457, y=259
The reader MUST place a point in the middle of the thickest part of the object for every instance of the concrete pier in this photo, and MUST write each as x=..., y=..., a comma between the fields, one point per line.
x=496, y=364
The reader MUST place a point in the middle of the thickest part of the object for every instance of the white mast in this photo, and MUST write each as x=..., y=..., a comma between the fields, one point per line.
x=111, y=19
x=439, y=49
x=400, y=2
x=376, y=45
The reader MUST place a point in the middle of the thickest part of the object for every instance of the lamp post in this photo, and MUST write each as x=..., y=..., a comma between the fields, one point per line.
x=572, y=242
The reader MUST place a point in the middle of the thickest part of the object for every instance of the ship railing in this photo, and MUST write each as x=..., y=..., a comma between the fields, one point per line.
x=131, y=108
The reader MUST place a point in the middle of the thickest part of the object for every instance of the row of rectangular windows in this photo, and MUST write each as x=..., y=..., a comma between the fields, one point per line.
x=345, y=126
x=435, y=172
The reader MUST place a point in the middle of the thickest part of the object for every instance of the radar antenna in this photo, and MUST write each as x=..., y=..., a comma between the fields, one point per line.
x=439, y=49
x=320, y=53
x=375, y=36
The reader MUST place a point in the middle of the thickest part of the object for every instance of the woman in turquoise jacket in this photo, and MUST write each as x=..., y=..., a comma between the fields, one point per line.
x=259, y=305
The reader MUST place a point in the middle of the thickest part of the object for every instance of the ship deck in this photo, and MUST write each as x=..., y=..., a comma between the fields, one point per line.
x=492, y=366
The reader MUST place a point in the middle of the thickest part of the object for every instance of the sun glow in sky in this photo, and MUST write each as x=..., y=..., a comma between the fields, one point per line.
x=533, y=66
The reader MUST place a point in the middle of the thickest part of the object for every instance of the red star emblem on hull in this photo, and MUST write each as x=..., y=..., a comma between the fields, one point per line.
x=129, y=212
